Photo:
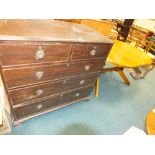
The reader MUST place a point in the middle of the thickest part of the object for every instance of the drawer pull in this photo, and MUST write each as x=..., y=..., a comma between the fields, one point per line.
x=39, y=75
x=82, y=82
x=87, y=68
x=39, y=106
x=40, y=53
x=61, y=95
x=39, y=92
x=64, y=81
x=93, y=52
x=77, y=94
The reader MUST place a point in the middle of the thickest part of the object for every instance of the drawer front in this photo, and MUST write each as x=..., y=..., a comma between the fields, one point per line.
x=40, y=106
x=36, y=74
x=43, y=90
x=90, y=51
x=26, y=54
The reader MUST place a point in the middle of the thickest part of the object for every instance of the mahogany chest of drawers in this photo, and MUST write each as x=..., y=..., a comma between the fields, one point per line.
x=48, y=64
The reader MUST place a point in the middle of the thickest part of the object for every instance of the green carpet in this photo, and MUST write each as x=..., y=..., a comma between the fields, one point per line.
x=117, y=108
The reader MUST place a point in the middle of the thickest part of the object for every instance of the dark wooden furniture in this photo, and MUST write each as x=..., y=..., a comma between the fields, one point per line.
x=48, y=64
x=124, y=29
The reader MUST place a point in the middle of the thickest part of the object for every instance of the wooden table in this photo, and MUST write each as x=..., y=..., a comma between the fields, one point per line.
x=127, y=56
x=123, y=55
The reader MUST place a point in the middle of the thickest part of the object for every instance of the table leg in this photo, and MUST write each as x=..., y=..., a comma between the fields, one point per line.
x=97, y=87
x=119, y=70
x=123, y=76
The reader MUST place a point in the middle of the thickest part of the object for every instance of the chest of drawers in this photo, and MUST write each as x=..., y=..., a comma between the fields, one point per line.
x=47, y=64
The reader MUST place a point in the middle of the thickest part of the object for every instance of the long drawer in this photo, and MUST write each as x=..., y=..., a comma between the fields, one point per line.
x=26, y=54
x=57, y=101
x=17, y=77
x=89, y=51
x=31, y=93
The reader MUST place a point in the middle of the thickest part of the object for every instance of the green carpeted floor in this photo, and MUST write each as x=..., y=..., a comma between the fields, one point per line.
x=117, y=108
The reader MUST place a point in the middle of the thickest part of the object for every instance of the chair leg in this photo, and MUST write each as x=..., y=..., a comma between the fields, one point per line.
x=121, y=73
x=97, y=87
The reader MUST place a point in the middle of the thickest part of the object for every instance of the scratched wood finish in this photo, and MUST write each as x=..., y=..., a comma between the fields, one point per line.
x=89, y=51
x=48, y=30
x=16, y=77
x=43, y=62
x=39, y=106
x=27, y=94
x=26, y=54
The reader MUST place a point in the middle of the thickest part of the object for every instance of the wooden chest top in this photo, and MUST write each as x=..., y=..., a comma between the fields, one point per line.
x=48, y=30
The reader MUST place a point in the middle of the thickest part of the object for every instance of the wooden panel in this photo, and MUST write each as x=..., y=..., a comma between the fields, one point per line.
x=43, y=90
x=90, y=51
x=102, y=26
x=25, y=54
x=27, y=110
x=35, y=74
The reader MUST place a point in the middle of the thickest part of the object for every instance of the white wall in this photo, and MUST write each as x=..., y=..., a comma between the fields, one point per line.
x=145, y=23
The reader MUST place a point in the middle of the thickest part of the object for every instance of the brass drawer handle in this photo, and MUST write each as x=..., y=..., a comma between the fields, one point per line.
x=39, y=106
x=77, y=94
x=40, y=53
x=93, y=52
x=61, y=95
x=64, y=81
x=87, y=68
x=39, y=75
x=82, y=82
x=39, y=92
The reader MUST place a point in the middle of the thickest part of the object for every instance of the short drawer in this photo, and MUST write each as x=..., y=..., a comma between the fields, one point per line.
x=31, y=93
x=90, y=51
x=45, y=105
x=26, y=54
x=22, y=76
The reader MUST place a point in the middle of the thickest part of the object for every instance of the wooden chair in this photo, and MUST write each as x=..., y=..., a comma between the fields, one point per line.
x=151, y=47
x=144, y=44
x=137, y=37
x=147, y=45
x=123, y=31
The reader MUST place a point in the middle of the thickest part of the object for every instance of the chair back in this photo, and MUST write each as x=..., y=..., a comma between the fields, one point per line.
x=123, y=31
x=136, y=36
